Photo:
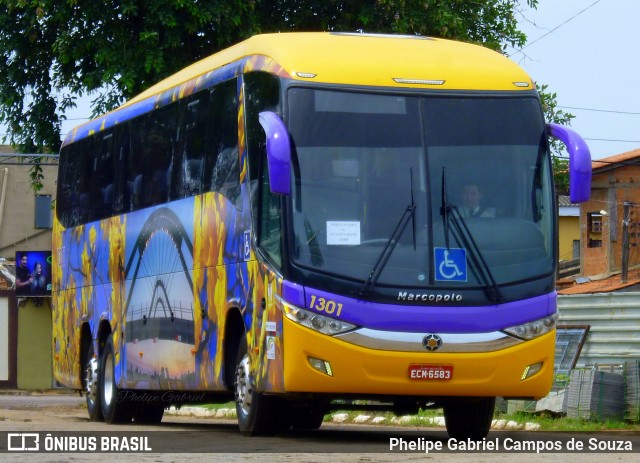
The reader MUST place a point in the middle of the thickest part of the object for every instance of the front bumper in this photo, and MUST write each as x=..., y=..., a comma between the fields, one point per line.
x=359, y=370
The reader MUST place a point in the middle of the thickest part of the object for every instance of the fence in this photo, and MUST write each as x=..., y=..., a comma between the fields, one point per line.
x=614, y=320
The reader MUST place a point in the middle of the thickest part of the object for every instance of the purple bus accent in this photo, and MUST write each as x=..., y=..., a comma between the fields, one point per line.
x=579, y=162
x=423, y=317
x=278, y=152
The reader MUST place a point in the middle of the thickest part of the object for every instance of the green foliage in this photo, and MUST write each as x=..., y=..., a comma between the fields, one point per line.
x=57, y=50
x=488, y=22
x=36, y=175
x=560, y=163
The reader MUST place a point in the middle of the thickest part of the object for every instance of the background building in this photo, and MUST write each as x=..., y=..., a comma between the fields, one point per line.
x=612, y=213
x=568, y=229
x=25, y=323
x=605, y=298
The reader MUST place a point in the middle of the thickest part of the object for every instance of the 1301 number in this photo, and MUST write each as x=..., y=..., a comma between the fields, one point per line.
x=327, y=306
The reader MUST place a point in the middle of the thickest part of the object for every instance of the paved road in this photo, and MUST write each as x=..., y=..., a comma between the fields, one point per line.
x=196, y=439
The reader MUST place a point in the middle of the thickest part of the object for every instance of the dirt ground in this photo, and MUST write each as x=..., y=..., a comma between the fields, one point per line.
x=67, y=412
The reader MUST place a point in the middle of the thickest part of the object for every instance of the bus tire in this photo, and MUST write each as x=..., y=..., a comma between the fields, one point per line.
x=114, y=406
x=92, y=385
x=307, y=418
x=256, y=411
x=469, y=420
x=148, y=413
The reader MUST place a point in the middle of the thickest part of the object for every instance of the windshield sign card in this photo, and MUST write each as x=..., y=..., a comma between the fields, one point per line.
x=343, y=233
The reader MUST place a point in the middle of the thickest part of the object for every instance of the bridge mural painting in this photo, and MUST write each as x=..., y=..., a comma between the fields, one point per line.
x=159, y=334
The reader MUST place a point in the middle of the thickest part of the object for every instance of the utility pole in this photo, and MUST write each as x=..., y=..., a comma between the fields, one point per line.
x=626, y=219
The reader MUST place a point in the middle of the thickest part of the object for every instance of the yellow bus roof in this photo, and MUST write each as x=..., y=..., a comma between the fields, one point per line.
x=368, y=60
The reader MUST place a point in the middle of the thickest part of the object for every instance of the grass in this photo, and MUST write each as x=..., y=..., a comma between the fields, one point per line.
x=218, y=406
x=547, y=422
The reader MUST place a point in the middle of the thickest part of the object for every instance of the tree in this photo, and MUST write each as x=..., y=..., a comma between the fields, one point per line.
x=57, y=50
x=490, y=22
x=560, y=164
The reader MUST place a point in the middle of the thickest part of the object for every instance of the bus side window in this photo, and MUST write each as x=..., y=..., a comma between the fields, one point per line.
x=135, y=169
x=85, y=168
x=222, y=168
x=68, y=203
x=121, y=200
x=269, y=211
x=155, y=153
x=261, y=93
x=191, y=143
x=102, y=178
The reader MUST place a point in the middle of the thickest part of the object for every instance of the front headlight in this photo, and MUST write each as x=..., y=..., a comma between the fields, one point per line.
x=315, y=321
x=533, y=329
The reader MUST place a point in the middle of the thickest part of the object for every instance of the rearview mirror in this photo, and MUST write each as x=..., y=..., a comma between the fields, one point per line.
x=278, y=152
x=579, y=162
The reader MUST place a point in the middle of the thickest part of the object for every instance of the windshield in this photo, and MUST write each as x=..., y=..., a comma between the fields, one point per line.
x=375, y=174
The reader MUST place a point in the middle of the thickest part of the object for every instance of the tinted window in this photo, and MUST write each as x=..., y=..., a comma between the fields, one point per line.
x=182, y=149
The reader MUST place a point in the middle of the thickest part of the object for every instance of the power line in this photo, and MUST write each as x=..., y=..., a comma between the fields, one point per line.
x=613, y=140
x=623, y=163
x=601, y=110
x=554, y=29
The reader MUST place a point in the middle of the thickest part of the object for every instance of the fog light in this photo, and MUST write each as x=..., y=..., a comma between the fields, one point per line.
x=531, y=370
x=321, y=365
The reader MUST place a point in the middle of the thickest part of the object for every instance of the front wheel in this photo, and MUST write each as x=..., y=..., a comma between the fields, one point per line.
x=115, y=407
x=469, y=420
x=256, y=412
x=307, y=416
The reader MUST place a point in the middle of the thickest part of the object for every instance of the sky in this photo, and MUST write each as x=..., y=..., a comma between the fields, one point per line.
x=586, y=51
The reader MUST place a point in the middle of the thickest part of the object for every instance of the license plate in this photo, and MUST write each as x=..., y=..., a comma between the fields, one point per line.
x=430, y=372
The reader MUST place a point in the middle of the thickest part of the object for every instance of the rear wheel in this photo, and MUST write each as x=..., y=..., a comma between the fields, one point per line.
x=115, y=407
x=92, y=385
x=469, y=420
x=256, y=411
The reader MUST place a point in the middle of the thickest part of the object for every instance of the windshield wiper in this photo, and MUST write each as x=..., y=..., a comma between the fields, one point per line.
x=444, y=208
x=450, y=213
x=312, y=242
x=391, y=243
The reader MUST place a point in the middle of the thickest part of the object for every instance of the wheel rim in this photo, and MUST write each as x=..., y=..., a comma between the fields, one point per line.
x=91, y=380
x=108, y=379
x=243, y=386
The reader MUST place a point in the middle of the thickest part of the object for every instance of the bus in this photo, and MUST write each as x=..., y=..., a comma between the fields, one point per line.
x=282, y=225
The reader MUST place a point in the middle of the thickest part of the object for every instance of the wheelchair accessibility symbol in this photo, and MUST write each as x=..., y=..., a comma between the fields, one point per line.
x=451, y=264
